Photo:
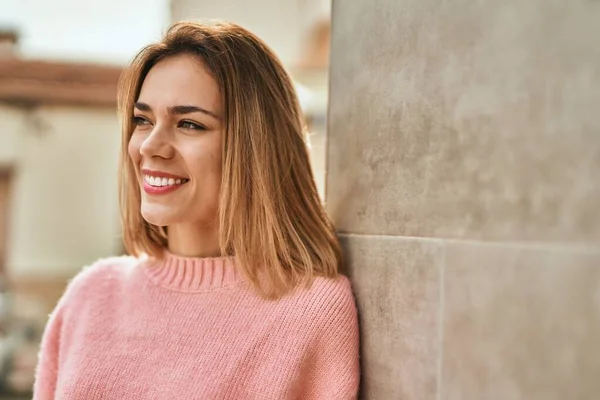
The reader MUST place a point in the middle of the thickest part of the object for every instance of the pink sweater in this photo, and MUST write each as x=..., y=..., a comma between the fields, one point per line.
x=191, y=328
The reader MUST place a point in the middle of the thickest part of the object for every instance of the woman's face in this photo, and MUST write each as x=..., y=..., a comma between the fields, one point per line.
x=176, y=143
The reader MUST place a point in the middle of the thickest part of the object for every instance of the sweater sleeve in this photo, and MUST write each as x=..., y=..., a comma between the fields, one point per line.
x=335, y=368
x=55, y=340
x=48, y=363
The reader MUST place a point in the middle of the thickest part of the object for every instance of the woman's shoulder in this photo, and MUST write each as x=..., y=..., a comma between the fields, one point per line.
x=95, y=276
x=328, y=304
x=329, y=295
x=338, y=286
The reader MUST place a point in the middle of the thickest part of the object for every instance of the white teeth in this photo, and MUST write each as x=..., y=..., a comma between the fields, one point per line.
x=158, y=182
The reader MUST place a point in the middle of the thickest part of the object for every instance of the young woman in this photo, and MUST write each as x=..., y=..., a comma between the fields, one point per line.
x=232, y=288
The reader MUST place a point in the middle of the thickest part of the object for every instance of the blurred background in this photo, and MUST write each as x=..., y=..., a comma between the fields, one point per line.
x=461, y=169
x=59, y=137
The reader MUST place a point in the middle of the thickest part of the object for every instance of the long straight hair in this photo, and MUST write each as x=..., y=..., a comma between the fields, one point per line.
x=270, y=213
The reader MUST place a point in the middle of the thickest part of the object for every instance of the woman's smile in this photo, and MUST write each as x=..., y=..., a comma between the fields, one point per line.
x=156, y=182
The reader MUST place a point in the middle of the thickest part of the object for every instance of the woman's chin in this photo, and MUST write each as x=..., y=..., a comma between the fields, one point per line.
x=156, y=217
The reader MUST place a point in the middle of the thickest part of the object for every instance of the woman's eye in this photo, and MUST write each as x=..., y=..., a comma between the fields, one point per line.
x=191, y=125
x=140, y=121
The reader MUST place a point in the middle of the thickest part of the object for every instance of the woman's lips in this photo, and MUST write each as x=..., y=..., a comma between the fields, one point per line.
x=156, y=182
x=155, y=190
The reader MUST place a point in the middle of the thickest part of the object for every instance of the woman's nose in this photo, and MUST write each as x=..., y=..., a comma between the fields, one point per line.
x=157, y=144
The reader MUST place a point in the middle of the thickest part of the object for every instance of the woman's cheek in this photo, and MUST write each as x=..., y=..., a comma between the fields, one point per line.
x=134, y=148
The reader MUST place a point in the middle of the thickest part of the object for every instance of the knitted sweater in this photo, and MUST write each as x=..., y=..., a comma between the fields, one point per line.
x=192, y=328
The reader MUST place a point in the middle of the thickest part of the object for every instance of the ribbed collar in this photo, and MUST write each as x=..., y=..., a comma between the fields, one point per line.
x=191, y=274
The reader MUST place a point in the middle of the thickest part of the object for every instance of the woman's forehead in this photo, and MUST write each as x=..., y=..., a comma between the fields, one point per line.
x=181, y=80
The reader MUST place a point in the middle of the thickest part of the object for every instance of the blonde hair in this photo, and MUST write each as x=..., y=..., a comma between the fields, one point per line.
x=270, y=214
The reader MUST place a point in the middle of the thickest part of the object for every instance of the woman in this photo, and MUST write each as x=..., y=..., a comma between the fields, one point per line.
x=232, y=290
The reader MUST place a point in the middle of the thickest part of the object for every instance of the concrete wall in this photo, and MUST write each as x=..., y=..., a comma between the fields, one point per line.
x=464, y=177
x=63, y=202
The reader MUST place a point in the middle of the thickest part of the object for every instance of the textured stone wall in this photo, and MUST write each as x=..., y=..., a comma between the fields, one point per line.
x=464, y=178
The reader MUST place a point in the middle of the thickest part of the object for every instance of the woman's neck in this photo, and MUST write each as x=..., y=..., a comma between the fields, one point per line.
x=193, y=240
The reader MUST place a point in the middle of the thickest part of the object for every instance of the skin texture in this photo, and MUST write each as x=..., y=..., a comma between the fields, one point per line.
x=187, y=143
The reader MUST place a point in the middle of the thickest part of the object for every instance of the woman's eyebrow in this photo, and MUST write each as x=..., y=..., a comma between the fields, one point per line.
x=178, y=110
